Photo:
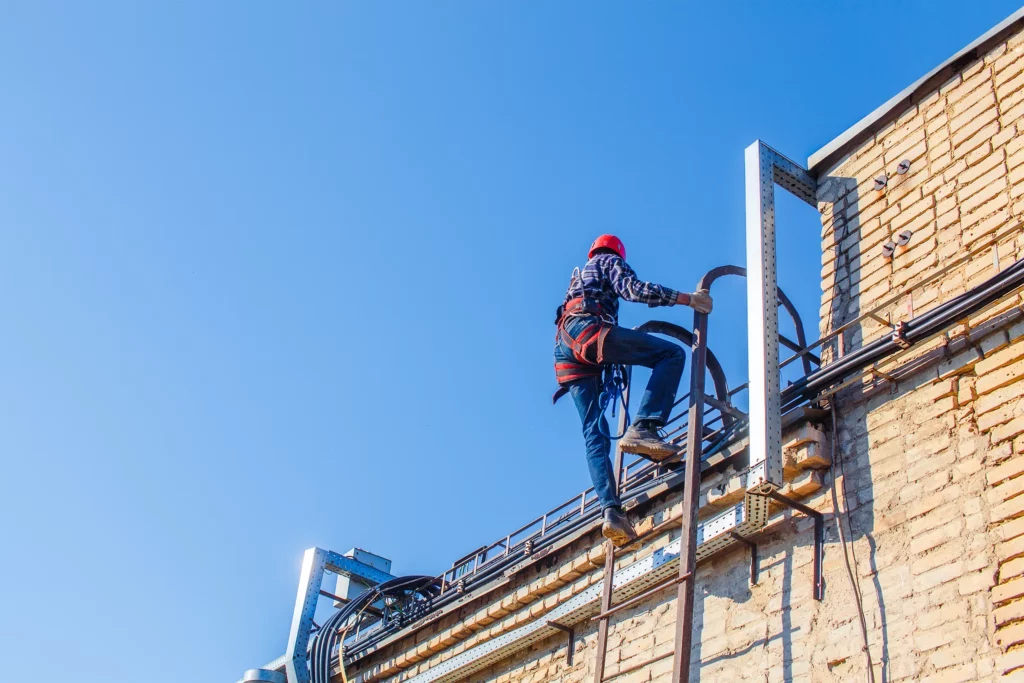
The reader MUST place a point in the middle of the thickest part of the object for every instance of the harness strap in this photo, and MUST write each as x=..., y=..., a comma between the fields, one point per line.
x=587, y=348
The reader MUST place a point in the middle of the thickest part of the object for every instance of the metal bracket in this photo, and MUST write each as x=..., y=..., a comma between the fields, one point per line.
x=754, y=564
x=899, y=335
x=571, y=632
x=819, y=538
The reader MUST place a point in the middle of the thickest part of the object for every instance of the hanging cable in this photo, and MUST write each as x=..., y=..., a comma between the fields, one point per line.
x=847, y=548
x=613, y=392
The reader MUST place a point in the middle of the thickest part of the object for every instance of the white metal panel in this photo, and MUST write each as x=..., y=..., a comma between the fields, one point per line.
x=764, y=168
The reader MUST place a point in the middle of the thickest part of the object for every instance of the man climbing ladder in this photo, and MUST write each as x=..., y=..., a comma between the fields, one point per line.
x=589, y=340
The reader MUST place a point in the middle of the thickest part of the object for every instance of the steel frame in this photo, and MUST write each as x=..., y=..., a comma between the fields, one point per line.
x=765, y=168
x=315, y=561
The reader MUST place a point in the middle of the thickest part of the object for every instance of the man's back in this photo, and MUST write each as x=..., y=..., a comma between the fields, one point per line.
x=607, y=277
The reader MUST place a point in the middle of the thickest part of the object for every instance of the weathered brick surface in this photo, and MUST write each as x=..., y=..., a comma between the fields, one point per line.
x=970, y=194
x=932, y=469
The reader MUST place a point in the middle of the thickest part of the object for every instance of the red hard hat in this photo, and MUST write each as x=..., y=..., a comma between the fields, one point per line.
x=608, y=242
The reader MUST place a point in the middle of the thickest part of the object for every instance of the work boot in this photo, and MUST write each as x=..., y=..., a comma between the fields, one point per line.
x=642, y=439
x=617, y=528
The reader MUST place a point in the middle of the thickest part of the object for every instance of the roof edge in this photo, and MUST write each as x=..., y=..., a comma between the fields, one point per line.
x=864, y=129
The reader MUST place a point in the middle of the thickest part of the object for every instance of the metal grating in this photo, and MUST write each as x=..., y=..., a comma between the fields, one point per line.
x=765, y=168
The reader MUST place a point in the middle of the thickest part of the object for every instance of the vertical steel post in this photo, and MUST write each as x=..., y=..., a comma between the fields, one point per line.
x=762, y=312
x=314, y=562
x=606, y=604
x=691, y=496
x=609, y=553
x=764, y=169
x=310, y=578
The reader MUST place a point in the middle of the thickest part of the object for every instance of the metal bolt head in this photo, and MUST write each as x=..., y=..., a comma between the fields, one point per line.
x=881, y=181
x=888, y=249
x=903, y=167
x=903, y=238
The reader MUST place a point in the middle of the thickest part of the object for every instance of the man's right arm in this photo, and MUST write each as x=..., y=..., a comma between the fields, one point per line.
x=699, y=301
x=631, y=288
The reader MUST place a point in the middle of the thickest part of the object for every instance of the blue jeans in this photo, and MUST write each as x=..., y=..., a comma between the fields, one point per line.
x=627, y=347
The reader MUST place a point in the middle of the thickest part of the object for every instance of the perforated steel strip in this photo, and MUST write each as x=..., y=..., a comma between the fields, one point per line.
x=745, y=518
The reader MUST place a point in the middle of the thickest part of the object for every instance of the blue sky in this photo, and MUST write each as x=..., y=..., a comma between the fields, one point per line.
x=281, y=275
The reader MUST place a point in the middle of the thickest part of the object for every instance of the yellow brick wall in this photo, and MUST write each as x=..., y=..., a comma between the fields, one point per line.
x=933, y=467
x=932, y=459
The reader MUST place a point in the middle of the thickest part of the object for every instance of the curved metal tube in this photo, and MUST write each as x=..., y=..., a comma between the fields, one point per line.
x=801, y=338
x=798, y=323
x=715, y=273
x=686, y=337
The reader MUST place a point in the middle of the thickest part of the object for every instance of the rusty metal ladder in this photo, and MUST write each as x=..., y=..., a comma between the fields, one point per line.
x=688, y=546
x=691, y=496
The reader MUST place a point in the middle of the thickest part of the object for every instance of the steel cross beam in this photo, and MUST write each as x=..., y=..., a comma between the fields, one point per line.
x=314, y=562
x=766, y=168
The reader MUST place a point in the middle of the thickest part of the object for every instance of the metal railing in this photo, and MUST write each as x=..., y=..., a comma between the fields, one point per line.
x=635, y=474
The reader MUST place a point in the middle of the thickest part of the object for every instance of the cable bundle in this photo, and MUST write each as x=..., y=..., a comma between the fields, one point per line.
x=332, y=633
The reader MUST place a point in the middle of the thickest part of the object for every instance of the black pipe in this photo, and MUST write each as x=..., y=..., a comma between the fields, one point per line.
x=918, y=329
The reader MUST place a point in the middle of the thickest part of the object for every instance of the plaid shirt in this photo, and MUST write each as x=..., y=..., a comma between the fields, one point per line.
x=606, y=277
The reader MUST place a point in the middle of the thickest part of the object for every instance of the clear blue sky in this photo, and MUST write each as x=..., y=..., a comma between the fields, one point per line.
x=276, y=275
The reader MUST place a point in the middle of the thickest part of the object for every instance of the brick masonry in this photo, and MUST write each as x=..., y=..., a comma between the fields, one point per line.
x=932, y=459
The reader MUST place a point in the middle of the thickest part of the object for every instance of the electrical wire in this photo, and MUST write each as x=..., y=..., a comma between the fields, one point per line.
x=613, y=392
x=847, y=548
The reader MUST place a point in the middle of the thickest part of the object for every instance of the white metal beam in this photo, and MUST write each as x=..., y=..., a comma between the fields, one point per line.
x=764, y=168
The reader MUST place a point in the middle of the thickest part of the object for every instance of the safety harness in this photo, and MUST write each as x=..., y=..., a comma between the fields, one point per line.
x=588, y=347
x=588, y=357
